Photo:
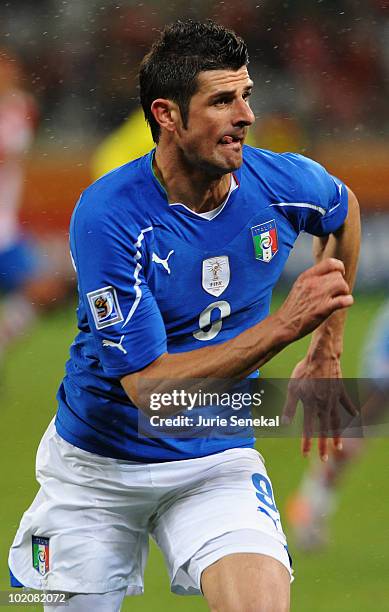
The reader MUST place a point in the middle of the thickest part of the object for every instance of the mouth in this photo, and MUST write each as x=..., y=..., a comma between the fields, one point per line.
x=231, y=141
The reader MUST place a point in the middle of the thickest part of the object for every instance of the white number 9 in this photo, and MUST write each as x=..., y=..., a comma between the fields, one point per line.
x=205, y=320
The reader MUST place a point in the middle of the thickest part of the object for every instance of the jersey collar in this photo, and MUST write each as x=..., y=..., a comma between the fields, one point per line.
x=235, y=183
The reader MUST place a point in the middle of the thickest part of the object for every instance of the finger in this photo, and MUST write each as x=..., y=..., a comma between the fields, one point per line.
x=330, y=264
x=335, y=283
x=323, y=448
x=290, y=406
x=337, y=443
x=341, y=301
x=335, y=427
x=323, y=413
x=324, y=416
x=306, y=444
x=348, y=403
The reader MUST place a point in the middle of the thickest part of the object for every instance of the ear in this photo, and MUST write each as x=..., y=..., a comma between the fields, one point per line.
x=166, y=113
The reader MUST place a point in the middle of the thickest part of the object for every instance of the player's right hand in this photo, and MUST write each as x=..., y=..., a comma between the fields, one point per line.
x=316, y=294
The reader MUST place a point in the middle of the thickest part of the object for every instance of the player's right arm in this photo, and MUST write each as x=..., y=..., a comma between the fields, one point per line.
x=316, y=294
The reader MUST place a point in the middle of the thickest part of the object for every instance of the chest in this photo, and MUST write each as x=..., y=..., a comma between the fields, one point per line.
x=236, y=258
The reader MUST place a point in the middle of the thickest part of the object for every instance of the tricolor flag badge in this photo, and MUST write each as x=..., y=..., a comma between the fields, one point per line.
x=265, y=240
x=40, y=554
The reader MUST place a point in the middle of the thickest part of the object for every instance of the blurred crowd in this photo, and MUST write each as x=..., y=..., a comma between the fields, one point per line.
x=321, y=66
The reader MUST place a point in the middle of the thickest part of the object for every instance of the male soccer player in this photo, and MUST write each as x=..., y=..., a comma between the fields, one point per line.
x=176, y=256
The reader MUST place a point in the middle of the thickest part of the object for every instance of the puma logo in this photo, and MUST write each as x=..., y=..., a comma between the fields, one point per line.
x=163, y=262
x=117, y=345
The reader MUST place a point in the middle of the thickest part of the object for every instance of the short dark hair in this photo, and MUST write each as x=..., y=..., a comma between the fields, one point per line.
x=185, y=48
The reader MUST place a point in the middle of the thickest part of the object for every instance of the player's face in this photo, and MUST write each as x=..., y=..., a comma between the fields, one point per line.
x=219, y=115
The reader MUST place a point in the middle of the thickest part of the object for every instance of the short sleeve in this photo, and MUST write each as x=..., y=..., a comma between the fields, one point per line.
x=121, y=311
x=316, y=202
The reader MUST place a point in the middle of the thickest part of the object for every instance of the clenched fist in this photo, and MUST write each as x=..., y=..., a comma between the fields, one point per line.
x=315, y=295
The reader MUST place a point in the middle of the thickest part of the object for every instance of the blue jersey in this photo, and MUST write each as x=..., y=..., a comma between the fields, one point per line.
x=156, y=277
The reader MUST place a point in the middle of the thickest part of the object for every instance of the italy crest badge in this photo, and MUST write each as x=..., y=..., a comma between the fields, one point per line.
x=265, y=240
x=40, y=554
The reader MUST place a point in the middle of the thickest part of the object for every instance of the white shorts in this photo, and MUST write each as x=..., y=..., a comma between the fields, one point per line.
x=94, y=516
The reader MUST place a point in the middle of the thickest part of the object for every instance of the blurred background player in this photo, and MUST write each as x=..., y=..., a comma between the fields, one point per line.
x=310, y=509
x=24, y=284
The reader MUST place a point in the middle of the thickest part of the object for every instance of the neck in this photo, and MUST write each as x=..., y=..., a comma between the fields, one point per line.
x=187, y=184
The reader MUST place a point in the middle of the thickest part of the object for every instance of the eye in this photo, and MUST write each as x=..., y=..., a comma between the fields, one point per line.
x=246, y=95
x=222, y=101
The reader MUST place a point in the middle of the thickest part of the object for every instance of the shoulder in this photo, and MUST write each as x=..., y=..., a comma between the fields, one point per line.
x=122, y=182
x=291, y=167
x=118, y=198
x=290, y=176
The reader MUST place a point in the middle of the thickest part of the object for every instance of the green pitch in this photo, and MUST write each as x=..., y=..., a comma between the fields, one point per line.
x=351, y=575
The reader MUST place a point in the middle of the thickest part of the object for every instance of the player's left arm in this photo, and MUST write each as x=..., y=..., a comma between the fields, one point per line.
x=327, y=341
x=322, y=360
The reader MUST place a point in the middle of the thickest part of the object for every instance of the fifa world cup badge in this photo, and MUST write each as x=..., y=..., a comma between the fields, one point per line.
x=216, y=274
x=105, y=307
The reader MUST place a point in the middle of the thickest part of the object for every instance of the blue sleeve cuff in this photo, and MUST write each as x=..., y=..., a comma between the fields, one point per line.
x=141, y=362
x=14, y=582
x=335, y=216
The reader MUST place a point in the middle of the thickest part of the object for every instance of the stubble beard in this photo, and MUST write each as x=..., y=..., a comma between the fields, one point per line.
x=214, y=166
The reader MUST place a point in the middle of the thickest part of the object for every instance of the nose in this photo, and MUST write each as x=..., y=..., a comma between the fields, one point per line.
x=243, y=115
